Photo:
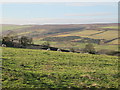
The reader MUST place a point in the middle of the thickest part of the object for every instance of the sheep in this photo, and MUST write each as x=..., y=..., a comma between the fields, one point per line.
x=3, y=45
x=48, y=49
x=86, y=53
x=58, y=50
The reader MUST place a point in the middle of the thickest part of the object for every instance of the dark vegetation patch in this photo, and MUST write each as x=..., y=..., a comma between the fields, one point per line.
x=72, y=38
x=98, y=33
x=49, y=29
x=62, y=30
x=67, y=38
x=111, y=40
x=89, y=40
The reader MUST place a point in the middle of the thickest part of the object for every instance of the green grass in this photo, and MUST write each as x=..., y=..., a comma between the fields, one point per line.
x=108, y=47
x=41, y=42
x=113, y=27
x=94, y=34
x=13, y=27
x=27, y=68
x=80, y=33
x=107, y=35
x=76, y=45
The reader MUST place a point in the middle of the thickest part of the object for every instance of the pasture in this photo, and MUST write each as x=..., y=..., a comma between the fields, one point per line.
x=27, y=68
x=95, y=34
x=39, y=32
x=92, y=31
x=80, y=33
x=12, y=27
x=113, y=27
x=108, y=35
x=76, y=45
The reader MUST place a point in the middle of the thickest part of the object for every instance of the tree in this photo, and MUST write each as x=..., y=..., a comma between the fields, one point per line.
x=8, y=41
x=72, y=50
x=46, y=44
x=24, y=40
x=102, y=41
x=9, y=38
x=89, y=48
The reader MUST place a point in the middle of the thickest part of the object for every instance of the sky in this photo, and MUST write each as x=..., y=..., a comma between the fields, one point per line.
x=59, y=0
x=59, y=12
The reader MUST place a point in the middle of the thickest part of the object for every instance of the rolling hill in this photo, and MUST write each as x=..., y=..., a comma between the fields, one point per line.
x=71, y=33
x=27, y=68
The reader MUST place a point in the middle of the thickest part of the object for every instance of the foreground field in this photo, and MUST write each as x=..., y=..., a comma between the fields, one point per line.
x=27, y=68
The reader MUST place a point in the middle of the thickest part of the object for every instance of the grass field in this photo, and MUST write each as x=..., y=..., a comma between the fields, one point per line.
x=79, y=45
x=115, y=42
x=13, y=27
x=27, y=68
x=87, y=33
x=108, y=35
x=38, y=33
x=113, y=27
x=80, y=33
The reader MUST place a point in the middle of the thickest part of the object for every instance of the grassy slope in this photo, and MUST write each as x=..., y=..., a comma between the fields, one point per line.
x=113, y=27
x=38, y=33
x=13, y=27
x=108, y=35
x=39, y=68
x=66, y=45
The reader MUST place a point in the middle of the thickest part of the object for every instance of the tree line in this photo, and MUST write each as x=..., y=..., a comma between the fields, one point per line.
x=15, y=41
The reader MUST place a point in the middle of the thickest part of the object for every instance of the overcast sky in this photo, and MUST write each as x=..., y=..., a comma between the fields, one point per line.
x=59, y=13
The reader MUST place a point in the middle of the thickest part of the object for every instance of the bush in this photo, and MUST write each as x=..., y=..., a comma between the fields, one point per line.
x=24, y=40
x=8, y=41
x=72, y=50
x=46, y=44
x=109, y=52
x=89, y=48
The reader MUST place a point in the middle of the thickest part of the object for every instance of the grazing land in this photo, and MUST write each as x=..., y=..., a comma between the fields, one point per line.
x=37, y=68
x=114, y=27
x=27, y=68
x=12, y=27
x=77, y=34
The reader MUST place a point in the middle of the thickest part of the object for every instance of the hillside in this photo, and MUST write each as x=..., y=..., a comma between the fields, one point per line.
x=103, y=36
x=27, y=68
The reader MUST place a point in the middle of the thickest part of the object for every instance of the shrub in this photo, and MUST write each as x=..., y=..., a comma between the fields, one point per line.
x=46, y=44
x=24, y=40
x=89, y=48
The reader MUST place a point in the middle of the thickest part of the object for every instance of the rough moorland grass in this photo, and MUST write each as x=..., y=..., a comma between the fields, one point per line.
x=27, y=68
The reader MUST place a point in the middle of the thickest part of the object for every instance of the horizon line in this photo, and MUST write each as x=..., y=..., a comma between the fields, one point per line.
x=59, y=24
